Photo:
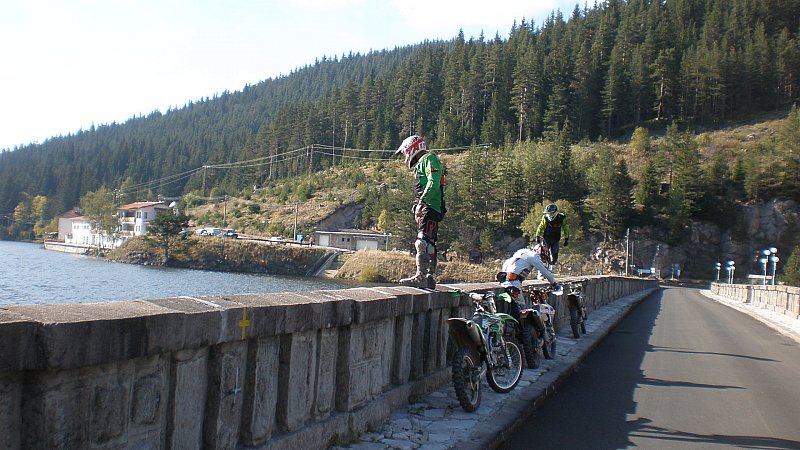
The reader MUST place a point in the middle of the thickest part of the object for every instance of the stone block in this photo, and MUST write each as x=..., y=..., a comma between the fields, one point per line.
x=419, y=330
x=371, y=305
x=305, y=313
x=261, y=390
x=401, y=359
x=372, y=414
x=325, y=399
x=187, y=399
x=108, y=405
x=17, y=342
x=298, y=371
x=364, y=365
x=227, y=367
x=148, y=402
x=54, y=408
x=314, y=435
x=79, y=335
x=10, y=411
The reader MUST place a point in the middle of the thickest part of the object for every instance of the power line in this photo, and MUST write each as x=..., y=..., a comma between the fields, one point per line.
x=298, y=153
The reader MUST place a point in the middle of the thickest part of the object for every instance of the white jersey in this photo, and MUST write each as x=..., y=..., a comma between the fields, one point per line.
x=522, y=262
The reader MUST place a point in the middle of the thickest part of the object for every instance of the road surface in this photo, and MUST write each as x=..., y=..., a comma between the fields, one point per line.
x=680, y=371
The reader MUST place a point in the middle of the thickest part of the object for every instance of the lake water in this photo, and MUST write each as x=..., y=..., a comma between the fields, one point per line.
x=29, y=274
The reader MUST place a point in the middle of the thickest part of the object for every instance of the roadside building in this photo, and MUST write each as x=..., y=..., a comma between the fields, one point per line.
x=352, y=239
x=65, y=224
x=133, y=217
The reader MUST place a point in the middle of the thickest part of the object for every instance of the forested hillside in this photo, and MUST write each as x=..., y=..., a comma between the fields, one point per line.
x=662, y=68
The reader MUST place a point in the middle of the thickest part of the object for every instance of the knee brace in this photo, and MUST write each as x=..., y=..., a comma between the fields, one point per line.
x=424, y=247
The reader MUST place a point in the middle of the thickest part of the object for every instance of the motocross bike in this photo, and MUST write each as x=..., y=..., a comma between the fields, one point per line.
x=578, y=313
x=482, y=347
x=540, y=320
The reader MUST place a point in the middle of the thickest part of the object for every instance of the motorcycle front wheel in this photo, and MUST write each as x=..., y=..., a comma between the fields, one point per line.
x=466, y=379
x=505, y=375
x=583, y=321
x=575, y=322
x=549, y=349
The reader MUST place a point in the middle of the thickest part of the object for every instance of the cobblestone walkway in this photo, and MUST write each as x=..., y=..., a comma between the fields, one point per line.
x=437, y=422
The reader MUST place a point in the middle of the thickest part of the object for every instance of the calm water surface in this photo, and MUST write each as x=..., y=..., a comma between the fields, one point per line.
x=31, y=275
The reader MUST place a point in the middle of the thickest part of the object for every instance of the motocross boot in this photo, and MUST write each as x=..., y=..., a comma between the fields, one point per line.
x=430, y=277
x=420, y=278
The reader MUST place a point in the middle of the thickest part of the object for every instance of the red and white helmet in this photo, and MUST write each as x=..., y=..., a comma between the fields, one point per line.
x=412, y=148
x=543, y=251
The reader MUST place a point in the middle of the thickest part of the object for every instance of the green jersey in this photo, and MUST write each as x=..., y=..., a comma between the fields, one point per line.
x=429, y=174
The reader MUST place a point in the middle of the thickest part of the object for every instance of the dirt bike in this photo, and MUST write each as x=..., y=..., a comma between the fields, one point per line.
x=539, y=321
x=483, y=347
x=578, y=313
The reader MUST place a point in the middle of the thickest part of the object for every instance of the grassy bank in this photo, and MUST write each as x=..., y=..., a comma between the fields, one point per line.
x=221, y=254
x=389, y=267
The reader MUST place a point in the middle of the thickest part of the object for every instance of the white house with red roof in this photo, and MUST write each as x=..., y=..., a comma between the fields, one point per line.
x=77, y=230
x=133, y=217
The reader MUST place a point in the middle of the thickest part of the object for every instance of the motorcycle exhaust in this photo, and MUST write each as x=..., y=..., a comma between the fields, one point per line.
x=465, y=333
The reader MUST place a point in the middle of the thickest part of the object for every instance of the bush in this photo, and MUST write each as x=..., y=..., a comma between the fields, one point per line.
x=371, y=275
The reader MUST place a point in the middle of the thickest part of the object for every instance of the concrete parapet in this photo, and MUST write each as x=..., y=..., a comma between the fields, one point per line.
x=781, y=299
x=286, y=370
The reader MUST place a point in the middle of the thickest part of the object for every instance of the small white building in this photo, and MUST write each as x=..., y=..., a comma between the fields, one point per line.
x=352, y=239
x=65, y=224
x=83, y=234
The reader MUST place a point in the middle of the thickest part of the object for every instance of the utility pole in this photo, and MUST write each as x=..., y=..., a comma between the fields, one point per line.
x=225, y=212
x=295, y=220
x=204, y=180
x=627, y=240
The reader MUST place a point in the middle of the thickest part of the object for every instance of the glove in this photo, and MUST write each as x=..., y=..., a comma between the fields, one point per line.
x=566, y=242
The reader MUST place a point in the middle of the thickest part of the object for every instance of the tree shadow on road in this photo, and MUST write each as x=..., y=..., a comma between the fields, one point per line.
x=641, y=428
x=593, y=409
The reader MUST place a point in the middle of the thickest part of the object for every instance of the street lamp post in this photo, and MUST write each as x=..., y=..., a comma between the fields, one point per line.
x=717, y=266
x=763, y=262
x=730, y=268
x=774, y=259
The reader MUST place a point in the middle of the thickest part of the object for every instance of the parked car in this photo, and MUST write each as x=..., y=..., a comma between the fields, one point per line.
x=229, y=233
x=209, y=231
x=475, y=256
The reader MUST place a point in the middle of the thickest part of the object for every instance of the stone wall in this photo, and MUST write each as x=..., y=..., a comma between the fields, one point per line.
x=271, y=371
x=781, y=299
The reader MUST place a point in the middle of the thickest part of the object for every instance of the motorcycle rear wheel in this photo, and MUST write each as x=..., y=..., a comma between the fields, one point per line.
x=506, y=375
x=529, y=348
x=466, y=379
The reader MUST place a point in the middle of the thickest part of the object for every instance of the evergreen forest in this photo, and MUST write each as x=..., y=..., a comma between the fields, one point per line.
x=536, y=116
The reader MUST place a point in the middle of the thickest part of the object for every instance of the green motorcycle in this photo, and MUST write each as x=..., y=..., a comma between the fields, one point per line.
x=484, y=346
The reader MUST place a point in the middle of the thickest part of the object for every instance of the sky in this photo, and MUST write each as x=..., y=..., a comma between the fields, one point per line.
x=68, y=64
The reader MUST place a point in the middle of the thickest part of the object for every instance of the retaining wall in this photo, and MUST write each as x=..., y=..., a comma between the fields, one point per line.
x=781, y=299
x=271, y=371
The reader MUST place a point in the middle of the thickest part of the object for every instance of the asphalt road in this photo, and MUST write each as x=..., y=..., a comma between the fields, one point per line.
x=680, y=371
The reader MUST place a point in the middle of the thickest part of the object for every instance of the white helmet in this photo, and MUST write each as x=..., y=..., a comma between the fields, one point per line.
x=551, y=211
x=412, y=148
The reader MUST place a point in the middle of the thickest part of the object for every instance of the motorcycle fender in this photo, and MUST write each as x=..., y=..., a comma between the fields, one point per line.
x=466, y=334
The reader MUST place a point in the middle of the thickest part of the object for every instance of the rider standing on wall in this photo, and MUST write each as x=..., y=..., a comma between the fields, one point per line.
x=428, y=209
x=550, y=230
